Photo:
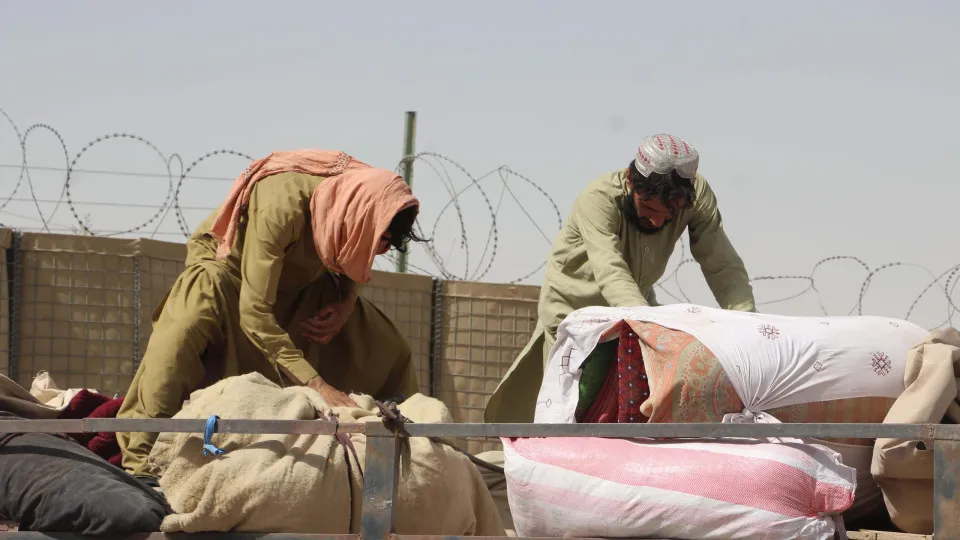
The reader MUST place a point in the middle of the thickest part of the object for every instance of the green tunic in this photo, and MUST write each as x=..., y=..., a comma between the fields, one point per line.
x=242, y=314
x=599, y=259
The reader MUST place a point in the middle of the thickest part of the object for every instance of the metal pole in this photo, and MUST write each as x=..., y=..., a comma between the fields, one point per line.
x=409, y=136
x=15, y=286
x=381, y=475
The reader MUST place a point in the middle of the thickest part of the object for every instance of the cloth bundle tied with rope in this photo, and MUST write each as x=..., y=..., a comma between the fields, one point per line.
x=310, y=483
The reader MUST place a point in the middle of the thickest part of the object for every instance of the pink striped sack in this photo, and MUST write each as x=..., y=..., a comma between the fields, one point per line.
x=738, y=488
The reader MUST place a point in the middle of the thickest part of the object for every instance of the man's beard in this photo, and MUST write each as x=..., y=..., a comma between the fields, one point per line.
x=630, y=213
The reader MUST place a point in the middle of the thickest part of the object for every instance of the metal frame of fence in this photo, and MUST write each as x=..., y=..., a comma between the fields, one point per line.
x=384, y=445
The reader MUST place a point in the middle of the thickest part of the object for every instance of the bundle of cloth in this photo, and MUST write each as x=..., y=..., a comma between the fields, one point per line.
x=735, y=489
x=310, y=483
x=53, y=484
x=46, y=390
x=47, y=400
x=87, y=404
x=689, y=363
x=17, y=401
x=904, y=468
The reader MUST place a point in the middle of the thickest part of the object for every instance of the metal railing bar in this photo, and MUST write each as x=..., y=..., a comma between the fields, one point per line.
x=325, y=427
x=179, y=425
x=681, y=430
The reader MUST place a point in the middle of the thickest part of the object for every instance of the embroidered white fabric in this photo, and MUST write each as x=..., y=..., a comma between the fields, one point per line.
x=771, y=360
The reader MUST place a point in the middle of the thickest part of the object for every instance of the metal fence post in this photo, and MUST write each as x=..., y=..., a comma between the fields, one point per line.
x=409, y=135
x=16, y=284
x=381, y=474
x=946, y=489
x=436, y=331
x=136, y=310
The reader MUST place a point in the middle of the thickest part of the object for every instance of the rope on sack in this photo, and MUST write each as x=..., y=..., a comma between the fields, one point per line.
x=394, y=420
x=208, y=431
x=348, y=449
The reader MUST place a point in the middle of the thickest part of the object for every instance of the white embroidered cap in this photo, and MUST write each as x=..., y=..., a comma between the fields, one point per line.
x=662, y=153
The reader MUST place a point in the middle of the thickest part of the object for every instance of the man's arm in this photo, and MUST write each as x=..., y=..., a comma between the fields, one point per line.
x=599, y=220
x=274, y=221
x=721, y=265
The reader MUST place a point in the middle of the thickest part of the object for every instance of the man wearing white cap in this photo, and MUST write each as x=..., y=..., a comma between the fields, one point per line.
x=615, y=246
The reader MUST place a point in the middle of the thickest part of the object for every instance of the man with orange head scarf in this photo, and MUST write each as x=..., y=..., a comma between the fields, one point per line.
x=270, y=285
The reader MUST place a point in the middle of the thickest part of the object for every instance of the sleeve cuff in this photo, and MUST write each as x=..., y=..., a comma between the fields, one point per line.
x=300, y=370
x=748, y=307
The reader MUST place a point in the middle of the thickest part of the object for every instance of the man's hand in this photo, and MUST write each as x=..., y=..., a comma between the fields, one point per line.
x=322, y=327
x=332, y=396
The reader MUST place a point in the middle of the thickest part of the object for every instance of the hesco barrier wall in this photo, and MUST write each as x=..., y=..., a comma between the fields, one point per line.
x=80, y=307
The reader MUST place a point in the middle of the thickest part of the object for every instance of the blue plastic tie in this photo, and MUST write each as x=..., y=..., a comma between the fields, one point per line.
x=208, y=447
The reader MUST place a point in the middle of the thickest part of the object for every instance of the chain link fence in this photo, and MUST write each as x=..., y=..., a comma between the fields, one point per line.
x=80, y=307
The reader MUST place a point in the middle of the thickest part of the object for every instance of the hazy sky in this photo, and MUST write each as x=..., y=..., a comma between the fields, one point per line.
x=825, y=128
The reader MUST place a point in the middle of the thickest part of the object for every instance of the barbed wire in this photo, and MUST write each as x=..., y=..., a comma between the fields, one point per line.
x=444, y=170
x=177, y=174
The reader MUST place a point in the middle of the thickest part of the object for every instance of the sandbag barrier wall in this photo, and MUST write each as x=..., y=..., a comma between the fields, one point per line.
x=381, y=467
x=80, y=307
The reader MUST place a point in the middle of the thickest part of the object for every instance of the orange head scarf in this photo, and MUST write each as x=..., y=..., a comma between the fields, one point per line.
x=350, y=210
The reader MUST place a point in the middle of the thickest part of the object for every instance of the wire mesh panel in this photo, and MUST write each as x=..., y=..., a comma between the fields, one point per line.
x=160, y=265
x=407, y=299
x=76, y=313
x=483, y=329
x=6, y=278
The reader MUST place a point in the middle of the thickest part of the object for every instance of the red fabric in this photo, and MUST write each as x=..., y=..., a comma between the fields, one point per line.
x=88, y=404
x=632, y=386
x=625, y=388
x=82, y=405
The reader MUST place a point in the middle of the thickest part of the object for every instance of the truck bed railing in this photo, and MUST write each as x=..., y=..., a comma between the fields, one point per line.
x=384, y=444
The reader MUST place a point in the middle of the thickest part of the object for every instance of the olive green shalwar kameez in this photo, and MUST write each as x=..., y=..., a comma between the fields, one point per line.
x=241, y=314
x=600, y=259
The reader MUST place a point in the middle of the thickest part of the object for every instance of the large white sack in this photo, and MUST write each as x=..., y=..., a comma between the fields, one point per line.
x=772, y=361
x=608, y=488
